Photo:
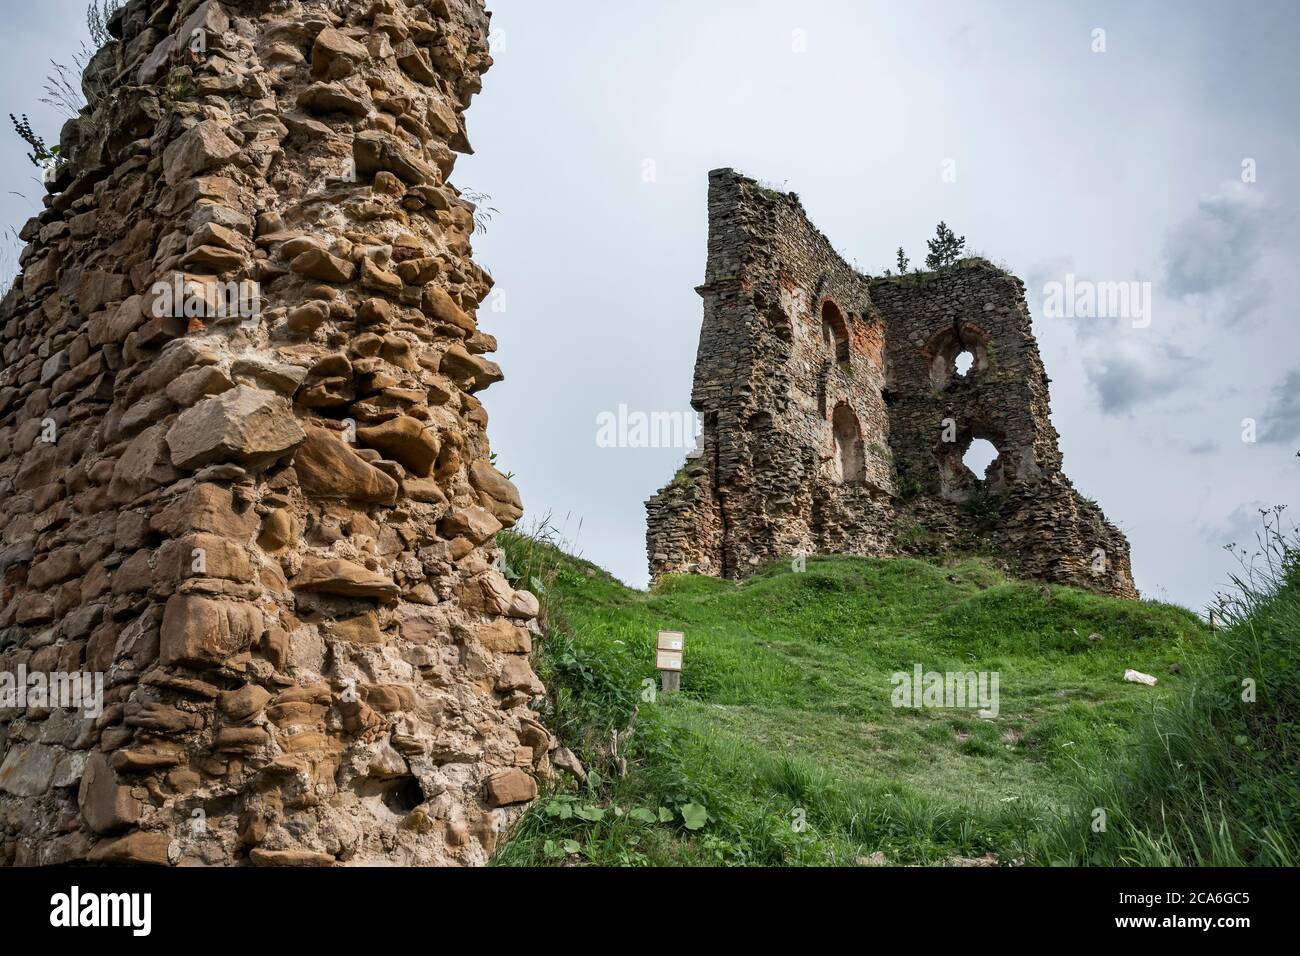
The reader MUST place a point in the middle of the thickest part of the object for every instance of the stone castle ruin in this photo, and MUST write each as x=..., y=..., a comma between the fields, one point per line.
x=245, y=470
x=836, y=418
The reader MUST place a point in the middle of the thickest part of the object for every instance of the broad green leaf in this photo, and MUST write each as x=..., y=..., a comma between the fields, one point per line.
x=694, y=816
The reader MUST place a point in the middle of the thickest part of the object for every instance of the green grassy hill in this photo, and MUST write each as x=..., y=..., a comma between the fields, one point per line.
x=783, y=747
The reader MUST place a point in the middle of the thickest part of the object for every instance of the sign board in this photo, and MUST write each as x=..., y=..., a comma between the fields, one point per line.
x=668, y=656
x=671, y=641
x=669, y=660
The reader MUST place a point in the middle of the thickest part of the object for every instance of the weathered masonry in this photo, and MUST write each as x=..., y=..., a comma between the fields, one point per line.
x=838, y=410
x=244, y=471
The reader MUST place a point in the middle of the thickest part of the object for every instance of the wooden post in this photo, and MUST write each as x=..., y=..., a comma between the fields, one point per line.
x=668, y=658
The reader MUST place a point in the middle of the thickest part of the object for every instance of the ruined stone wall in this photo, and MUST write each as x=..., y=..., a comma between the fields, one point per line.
x=789, y=336
x=1023, y=506
x=269, y=528
x=835, y=420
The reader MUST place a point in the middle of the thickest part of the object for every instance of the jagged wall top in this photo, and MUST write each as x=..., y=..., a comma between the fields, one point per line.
x=835, y=420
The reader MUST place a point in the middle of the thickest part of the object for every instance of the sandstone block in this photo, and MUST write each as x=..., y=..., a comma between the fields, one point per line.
x=517, y=674
x=205, y=507
x=323, y=98
x=471, y=372
x=196, y=151
x=489, y=593
x=345, y=578
x=145, y=465
x=439, y=305
x=245, y=425
x=328, y=467
x=319, y=264
x=198, y=383
x=497, y=493
x=404, y=439
x=373, y=151
x=362, y=629
x=502, y=637
x=198, y=630
x=140, y=848
x=507, y=787
x=106, y=805
x=476, y=524
x=335, y=55
x=277, y=531
x=202, y=555
x=28, y=770
x=525, y=606
x=243, y=703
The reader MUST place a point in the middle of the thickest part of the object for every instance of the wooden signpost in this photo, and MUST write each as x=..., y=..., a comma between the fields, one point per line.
x=668, y=658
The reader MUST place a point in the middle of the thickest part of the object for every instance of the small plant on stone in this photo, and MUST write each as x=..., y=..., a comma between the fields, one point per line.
x=981, y=508
x=909, y=487
x=63, y=87
x=41, y=155
x=483, y=213
x=98, y=13
x=902, y=261
x=945, y=248
x=492, y=460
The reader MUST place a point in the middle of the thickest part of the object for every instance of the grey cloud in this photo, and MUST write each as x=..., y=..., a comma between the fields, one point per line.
x=1125, y=379
x=1282, y=418
x=1212, y=257
x=1239, y=528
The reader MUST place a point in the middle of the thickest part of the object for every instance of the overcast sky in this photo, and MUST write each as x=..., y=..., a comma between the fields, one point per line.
x=599, y=124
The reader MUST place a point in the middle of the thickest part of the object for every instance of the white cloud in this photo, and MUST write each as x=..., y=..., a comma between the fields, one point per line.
x=1213, y=258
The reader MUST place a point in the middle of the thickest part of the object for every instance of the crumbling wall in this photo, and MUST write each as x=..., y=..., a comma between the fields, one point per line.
x=790, y=338
x=1023, y=507
x=835, y=420
x=269, y=528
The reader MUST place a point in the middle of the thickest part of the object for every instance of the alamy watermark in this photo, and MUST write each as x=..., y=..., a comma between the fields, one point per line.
x=58, y=689
x=185, y=297
x=630, y=429
x=75, y=909
x=1084, y=299
x=953, y=690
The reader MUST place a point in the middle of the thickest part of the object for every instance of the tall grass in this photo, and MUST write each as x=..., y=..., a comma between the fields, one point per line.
x=590, y=697
x=1216, y=781
x=782, y=747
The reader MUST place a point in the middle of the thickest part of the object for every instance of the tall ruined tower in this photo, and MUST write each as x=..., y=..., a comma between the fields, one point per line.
x=836, y=420
x=245, y=472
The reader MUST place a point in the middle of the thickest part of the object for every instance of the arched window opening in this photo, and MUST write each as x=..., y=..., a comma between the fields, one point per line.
x=850, y=455
x=835, y=332
x=957, y=355
x=979, y=456
x=973, y=464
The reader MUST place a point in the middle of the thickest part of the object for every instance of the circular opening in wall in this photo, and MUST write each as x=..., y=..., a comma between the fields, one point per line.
x=957, y=355
x=979, y=456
